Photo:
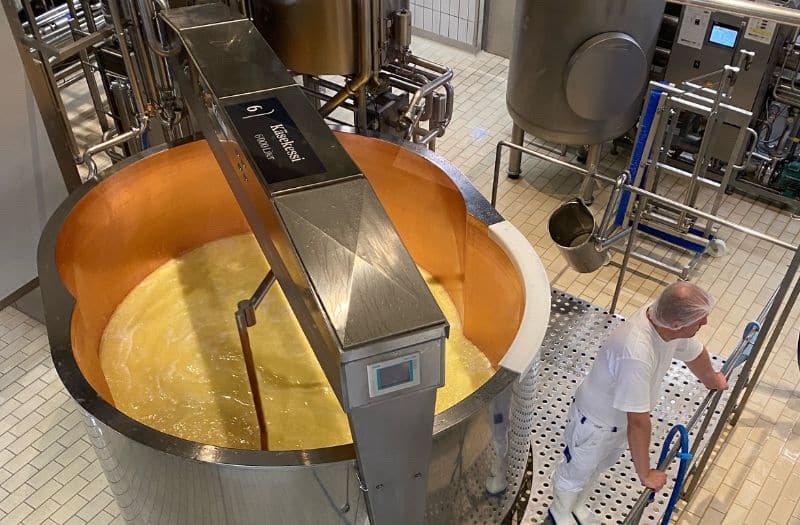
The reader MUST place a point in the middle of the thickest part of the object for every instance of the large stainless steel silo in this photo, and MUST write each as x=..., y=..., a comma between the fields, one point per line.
x=578, y=69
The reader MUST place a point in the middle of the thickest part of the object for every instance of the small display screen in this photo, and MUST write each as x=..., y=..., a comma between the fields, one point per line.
x=395, y=375
x=723, y=35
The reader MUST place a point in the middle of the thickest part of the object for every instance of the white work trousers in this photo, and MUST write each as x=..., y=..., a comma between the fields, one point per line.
x=590, y=449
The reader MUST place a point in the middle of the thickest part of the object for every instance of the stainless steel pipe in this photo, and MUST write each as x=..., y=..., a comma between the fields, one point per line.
x=148, y=24
x=781, y=15
x=119, y=31
x=133, y=133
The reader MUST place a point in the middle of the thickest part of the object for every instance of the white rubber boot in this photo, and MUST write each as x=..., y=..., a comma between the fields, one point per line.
x=583, y=510
x=560, y=510
x=496, y=482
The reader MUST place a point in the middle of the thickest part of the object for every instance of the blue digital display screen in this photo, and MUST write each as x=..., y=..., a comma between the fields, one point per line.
x=723, y=36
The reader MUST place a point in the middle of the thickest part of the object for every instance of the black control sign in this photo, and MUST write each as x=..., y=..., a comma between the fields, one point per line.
x=274, y=140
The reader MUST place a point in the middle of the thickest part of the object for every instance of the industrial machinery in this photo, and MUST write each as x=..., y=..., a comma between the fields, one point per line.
x=366, y=44
x=705, y=41
x=379, y=338
x=341, y=219
x=771, y=173
x=169, y=72
x=665, y=108
x=120, y=51
x=697, y=124
x=303, y=197
x=457, y=237
x=585, y=87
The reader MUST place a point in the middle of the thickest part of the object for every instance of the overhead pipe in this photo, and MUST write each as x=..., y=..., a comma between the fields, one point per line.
x=748, y=8
x=140, y=51
x=133, y=133
x=377, y=25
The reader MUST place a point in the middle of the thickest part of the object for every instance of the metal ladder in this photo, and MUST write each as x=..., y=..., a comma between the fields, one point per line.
x=664, y=105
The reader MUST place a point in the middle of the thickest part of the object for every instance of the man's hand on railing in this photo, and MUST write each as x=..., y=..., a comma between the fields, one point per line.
x=717, y=382
x=655, y=479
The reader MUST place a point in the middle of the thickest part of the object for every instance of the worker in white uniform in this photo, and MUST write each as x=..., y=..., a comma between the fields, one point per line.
x=613, y=403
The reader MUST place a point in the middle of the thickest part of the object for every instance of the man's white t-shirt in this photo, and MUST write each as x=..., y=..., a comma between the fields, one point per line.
x=628, y=371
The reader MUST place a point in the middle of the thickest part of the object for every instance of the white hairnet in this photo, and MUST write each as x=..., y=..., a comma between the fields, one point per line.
x=680, y=304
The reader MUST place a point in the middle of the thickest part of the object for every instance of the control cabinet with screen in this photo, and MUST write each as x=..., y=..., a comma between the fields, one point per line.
x=393, y=375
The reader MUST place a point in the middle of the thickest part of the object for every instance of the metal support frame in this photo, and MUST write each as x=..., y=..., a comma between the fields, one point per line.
x=658, y=219
x=41, y=79
x=521, y=149
x=592, y=163
x=515, y=159
x=75, y=32
x=678, y=228
x=386, y=63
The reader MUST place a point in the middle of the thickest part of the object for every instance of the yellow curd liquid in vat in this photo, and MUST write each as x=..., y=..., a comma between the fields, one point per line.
x=173, y=361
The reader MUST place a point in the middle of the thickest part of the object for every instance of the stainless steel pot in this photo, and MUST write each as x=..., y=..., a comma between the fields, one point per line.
x=107, y=236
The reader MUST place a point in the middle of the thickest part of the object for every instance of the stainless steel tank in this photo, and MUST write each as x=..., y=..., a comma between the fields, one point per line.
x=110, y=235
x=321, y=37
x=315, y=37
x=578, y=69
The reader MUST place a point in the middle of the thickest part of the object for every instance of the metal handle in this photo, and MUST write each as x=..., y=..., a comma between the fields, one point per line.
x=750, y=150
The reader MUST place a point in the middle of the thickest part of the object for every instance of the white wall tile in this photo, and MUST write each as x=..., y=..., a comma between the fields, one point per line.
x=454, y=7
x=452, y=31
x=427, y=19
x=472, y=10
x=462, y=30
x=463, y=8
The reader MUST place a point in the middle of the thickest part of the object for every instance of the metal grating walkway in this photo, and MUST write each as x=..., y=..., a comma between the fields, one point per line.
x=577, y=331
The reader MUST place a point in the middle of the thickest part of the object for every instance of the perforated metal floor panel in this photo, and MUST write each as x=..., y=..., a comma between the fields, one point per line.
x=577, y=331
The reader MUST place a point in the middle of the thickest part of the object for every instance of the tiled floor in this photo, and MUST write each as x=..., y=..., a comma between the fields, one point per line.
x=48, y=473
